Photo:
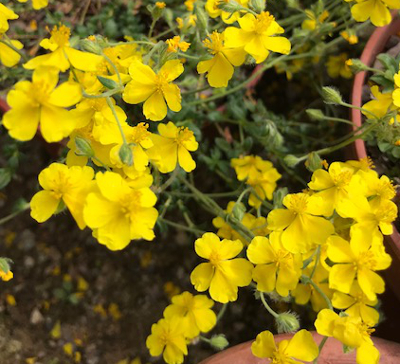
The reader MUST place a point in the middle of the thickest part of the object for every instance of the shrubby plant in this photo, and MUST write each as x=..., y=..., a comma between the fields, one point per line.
x=133, y=112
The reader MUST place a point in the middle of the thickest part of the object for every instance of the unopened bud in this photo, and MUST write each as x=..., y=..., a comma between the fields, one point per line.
x=157, y=10
x=356, y=65
x=126, y=155
x=287, y=322
x=83, y=147
x=315, y=114
x=91, y=45
x=279, y=195
x=107, y=82
x=291, y=160
x=331, y=96
x=313, y=162
x=230, y=6
x=202, y=18
x=219, y=342
x=258, y=5
x=238, y=211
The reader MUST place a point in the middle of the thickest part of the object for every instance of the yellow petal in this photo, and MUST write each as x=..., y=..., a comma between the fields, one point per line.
x=302, y=346
x=155, y=107
x=264, y=346
x=43, y=205
x=66, y=95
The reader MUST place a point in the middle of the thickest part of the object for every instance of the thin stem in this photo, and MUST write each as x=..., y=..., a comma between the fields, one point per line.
x=15, y=49
x=100, y=162
x=169, y=181
x=308, y=280
x=114, y=68
x=321, y=345
x=12, y=215
x=153, y=23
x=111, y=105
x=318, y=254
x=269, y=309
x=359, y=108
x=222, y=311
x=195, y=231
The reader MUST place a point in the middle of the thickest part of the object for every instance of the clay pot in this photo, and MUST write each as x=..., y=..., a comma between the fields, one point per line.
x=332, y=353
x=374, y=46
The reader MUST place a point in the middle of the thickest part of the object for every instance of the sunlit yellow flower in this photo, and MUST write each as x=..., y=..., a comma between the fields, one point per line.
x=9, y=57
x=276, y=268
x=375, y=10
x=357, y=304
x=299, y=223
x=40, y=101
x=6, y=14
x=223, y=274
x=62, y=184
x=358, y=260
x=313, y=20
x=336, y=66
x=62, y=54
x=194, y=312
x=332, y=184
x=6, y=276
x=37, y=4
x=119, y=212
x=257, y=34
x=301, y=346
x=214, y=11
x=167, y=338
x=350, y=36
x=350, y=331
x=382, y=103
x=264, y=185
x=250, y=166
x=172, y=147
x=175, y=44
x=220, y=68
x=155, y=90
x=161, y=4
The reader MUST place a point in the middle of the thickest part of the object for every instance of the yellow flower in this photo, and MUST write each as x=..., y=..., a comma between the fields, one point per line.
x=350, y=36
x=350, y=331
x=5, y=15
x=194, y=312
x=301, y=346
x=62, y=54
x=190, y=4
x=381, y=105
x=161, y=4
x=358, y=260
x=258, y=225
x=6, y=276
x=175, y=43
x=336, y=66
x=313, y=20
x=154, y=89
x=299, y=223
x=258, y=36
x=167, y=338
x=60, y=183
x=220, y=68
x=250, y=166
x=37, y=4
x=332, y=184
x=118, y=212
x=375, y=10
x=276, y=268
x=9, y=57
x=172, y=146
x=263, y=185
x=222, y=275
x=357, y=304
x=138, y=139
x=40, y=101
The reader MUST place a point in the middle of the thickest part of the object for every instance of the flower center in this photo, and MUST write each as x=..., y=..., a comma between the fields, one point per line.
x=342, y=179
x=130, y=203
x=298, y=203
x=40, y=91
x=263, y=22
x=140, y=133
x=281, y=257
x=215, y=42
x=366, y=260
x=215, y=258
x=184, y=135
x=60, y=35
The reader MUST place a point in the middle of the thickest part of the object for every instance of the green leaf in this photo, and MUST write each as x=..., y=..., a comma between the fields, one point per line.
x=5, y=177
x=106, y=82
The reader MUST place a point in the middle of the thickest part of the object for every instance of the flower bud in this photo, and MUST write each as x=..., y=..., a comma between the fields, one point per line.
x=238, y=211
x=219, y=342
x=83, y=147
x=202, y=18
x=126, y=155
x=313, y=162
x=315, y=114
x=258, y=5
x=287, y=322
x=91, y=45
x=331, y=96
x=230, y=6
x=356, y=65
x=107, y=82
x=291, y=160
x=279, y=195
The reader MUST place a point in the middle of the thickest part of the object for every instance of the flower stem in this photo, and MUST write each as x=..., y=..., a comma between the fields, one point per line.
x=15, y=49
x=269, y=309
x=111, y=105
x=321, y=345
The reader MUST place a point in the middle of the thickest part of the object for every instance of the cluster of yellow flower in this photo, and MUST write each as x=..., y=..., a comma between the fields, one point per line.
x=9, y=55
x=325, y=246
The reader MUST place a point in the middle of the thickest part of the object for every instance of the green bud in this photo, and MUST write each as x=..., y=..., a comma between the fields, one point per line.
x=356, y=65
x=202, y=17
x=230, y=7
x=61, y=207
x=107, y=82
x=258, y=5
x=291, y=160
x=83, y=147
x=287, y=322
x=313, y=162
x=5, y=264
x=315, y=114
x=219, y=342
x=279, y=195
x=91, y=46
x=126, y=155
x=238, y=211
x=331, y=96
